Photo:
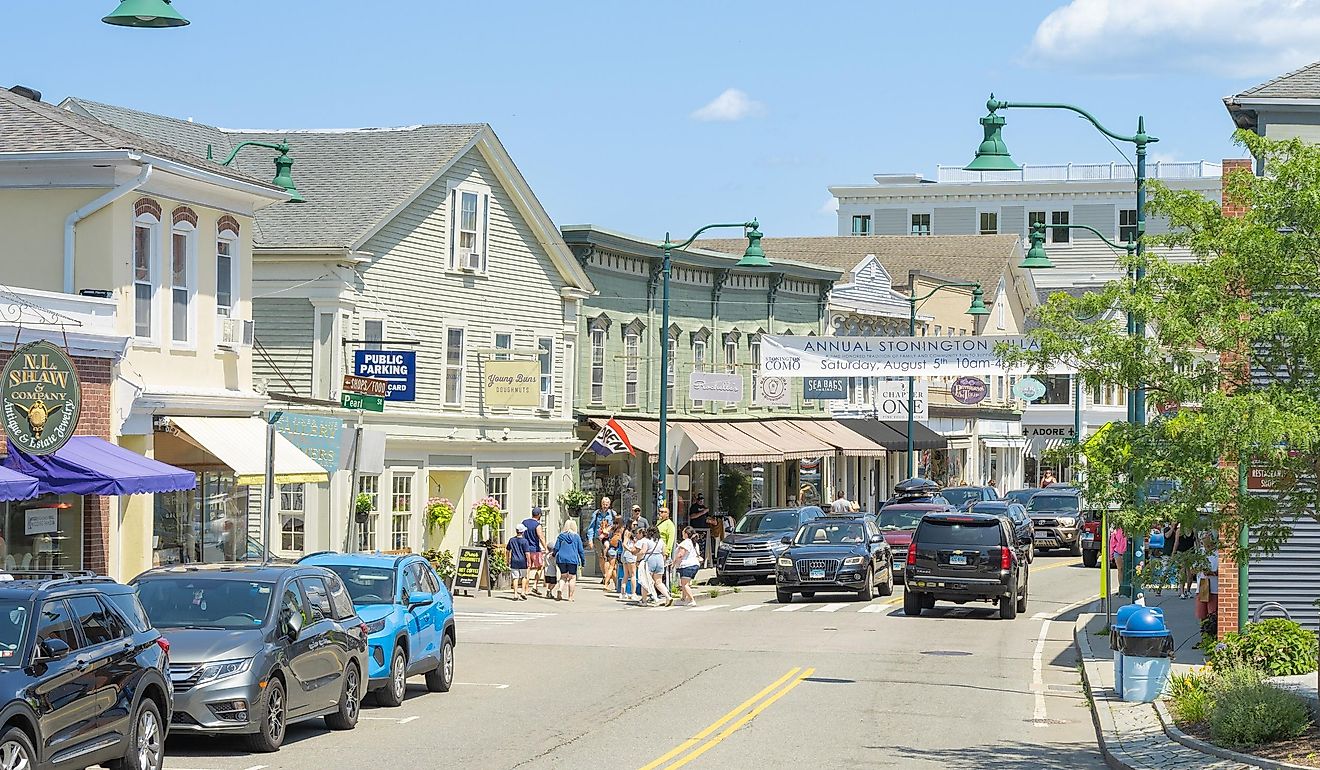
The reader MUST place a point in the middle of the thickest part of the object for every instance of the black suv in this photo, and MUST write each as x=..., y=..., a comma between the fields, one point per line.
x=84, y=675
x=963, y=557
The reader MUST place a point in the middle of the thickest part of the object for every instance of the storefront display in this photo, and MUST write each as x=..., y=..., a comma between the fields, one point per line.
x=205, y=524
x=42, y=534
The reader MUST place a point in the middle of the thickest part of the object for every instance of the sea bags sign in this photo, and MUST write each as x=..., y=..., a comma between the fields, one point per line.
x=397, y=367
x=40, y=398
x=888, y=356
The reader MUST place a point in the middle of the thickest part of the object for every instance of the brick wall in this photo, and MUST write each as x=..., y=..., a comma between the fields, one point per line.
x=96, y=376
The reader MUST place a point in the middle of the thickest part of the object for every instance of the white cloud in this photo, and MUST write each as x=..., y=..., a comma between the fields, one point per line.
x=731, y=105
x=1231, y=38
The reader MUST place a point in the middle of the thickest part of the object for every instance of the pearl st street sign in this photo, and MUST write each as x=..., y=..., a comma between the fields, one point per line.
x=785, y=356
x=359, y=401
x=40, y=398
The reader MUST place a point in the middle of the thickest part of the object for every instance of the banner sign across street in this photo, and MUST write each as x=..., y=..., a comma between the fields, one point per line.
x=888, y=356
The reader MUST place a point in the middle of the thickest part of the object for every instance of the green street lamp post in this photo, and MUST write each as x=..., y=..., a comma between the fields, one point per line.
x=992, y=155
x=283, y=166
x=753, y=257
x=145, y=13
x=975, y=310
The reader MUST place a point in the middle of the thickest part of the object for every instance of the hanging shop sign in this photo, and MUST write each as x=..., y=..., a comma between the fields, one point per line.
x=969, y=390
x=40, y=398
x=891, y=400
x=397, y=367
x=1049, y=431
x=711, y=386
x=1029, y=389
x=825, y=388
x=318, y=437
x=512, y=383
x=889, y=356
x=774, y=391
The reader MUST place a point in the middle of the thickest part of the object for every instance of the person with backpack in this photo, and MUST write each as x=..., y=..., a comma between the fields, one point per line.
x=687, y=560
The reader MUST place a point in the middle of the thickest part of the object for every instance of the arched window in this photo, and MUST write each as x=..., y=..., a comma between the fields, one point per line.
x=146, y=270
x=183, y=276
x=226, y=266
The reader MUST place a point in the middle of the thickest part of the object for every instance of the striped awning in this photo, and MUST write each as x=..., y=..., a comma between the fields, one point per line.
x=844, y=440
x=792, y=442
x=729, y=442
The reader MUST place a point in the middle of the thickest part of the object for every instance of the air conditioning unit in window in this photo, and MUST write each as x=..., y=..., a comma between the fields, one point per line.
x=470, y=262
x=236, y=333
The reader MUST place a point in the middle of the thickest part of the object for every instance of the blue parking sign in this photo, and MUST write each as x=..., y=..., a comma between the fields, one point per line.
x=396, y=367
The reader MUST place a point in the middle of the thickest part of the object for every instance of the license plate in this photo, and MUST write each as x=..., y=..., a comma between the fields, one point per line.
x=818, y=574
x=749, y=562
x=1088, y=536
x=957, y=559
x=898, y=565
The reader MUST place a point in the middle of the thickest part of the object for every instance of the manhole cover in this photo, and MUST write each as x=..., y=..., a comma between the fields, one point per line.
x=946, y=653
x=1044, y=722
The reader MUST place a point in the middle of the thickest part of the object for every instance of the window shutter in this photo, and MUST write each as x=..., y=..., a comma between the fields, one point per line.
x=485, y=232
x=453, y=229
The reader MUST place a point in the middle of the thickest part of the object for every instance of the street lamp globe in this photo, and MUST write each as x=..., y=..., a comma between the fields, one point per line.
x=992, y=155
x=1036, y=258
x=754, y=256
x=145, y=13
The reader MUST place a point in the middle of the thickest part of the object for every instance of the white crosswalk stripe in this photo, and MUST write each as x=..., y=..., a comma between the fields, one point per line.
x=478, y=620
x=789, y=608
x=747, y=608
x=831, y=608
x=874, y=608
x=708, y=607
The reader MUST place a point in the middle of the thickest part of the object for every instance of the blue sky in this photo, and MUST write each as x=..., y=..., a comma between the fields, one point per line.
x=601, y=103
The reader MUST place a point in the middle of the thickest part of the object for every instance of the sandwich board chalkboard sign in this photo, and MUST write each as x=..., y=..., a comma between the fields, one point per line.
x=472, y=570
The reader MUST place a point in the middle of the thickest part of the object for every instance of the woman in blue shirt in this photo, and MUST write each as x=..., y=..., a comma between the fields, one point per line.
x=569, y=556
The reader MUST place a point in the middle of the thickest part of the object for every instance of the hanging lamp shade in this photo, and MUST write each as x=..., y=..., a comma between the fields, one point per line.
x=1036, y=258
x=992, y=154
x=754, y=256
x=978, y=307
x=284, y=177
x=145, y=13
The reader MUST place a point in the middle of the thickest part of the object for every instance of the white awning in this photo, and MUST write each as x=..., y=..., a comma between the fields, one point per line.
x=240, y=443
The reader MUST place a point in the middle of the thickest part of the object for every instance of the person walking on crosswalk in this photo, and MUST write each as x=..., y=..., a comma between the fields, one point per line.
x=651, y=569
x=687, y=560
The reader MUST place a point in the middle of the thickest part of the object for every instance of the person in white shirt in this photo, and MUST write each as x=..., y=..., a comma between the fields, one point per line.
x=687, y=560
x=1207, y=585
x=840, y=504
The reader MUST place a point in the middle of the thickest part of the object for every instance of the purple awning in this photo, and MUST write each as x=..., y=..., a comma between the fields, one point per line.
x=16, y=486
x=88, y=465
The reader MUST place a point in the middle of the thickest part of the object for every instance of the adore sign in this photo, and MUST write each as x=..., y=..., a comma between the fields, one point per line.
x=40, y=398
x=888, y=356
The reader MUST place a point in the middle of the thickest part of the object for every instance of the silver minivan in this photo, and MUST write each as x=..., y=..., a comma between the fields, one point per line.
x=255, y=648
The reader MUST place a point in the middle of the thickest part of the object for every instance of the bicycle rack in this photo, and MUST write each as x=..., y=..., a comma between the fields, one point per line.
x=1269, y=606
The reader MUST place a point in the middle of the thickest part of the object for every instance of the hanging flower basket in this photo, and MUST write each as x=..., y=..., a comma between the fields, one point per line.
x=439, y=512
x=486, y=513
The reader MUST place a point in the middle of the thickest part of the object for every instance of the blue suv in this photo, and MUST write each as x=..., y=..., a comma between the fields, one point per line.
x=409, y=615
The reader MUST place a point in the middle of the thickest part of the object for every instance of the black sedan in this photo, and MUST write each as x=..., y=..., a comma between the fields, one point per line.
x=835, y=554
x=1024, y=529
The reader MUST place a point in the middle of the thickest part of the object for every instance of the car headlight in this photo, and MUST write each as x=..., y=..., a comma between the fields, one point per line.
x=1067, y=521
x=376, y=626
x=221, y=669
x=784, y=561
x=853, y=561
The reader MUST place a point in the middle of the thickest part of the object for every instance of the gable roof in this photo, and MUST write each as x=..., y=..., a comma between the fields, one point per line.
x=1301, y=83
x=983, y=258
x=27, y=125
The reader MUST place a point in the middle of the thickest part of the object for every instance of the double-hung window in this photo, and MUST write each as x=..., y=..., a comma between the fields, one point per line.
x=145, y=239
x=698, y=365
x=1058, y=234
x=498, y=488
x=597, y=366
x=183, y=245
x=631, y=355
x=470, y=223
x=989, y=222
x=400, y=510
x=1127, y=225
x=541, y=493
x=546, y=356
x=730, y=355
x=861, y=224
x=921, y=224
x=369, y=486
x=293, y=514
x=226, y=273
x=754, y=347
x=503, y=341
x=373, y=333
x=1034, y=218
x=455, y=361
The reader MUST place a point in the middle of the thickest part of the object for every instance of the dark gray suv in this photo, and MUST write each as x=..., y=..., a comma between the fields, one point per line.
x=964, y=557
x=254, y=648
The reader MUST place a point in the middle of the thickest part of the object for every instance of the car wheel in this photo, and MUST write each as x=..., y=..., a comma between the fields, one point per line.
x=270, y=731
x=441, y=678
x=350, y=702
x=784, y=597
x=16, y=752
x=887, y=587
x=145, y=749
x=868, y=588
x=911, y=603
x=1090, y=558
x=396, y=688
x=1008, y=605
x=1022, y=600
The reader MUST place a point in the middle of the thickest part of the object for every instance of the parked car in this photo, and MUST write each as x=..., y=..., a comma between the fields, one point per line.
x=964, y=557
x=915, y=491
x=897, y=522
x=409, y=615
x=84, y=675
x=1090, y=538
x=755, y=543
x=255, y=648
x=1021, y=495
x=964, y=497
x=1023, y=528
x=835, y=553
x=1056, y=513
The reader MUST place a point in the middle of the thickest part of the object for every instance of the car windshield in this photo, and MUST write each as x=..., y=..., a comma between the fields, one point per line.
x=899, y=519
x=831, y=533
x=13, y=625
x=1050, y=503
x=960, y=497
x=205, y=602
x=769, y=520
x=1021, y=495
x=366, y=585
x=953, y=532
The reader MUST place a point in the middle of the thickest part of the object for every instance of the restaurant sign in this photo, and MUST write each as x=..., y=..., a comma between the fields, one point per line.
x=40, y=398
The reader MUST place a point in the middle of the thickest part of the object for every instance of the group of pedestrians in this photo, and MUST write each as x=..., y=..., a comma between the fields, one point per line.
x=1179, y=556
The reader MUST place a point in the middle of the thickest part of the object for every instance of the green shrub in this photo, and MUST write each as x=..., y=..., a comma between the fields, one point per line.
x=1248, y=715
x=1277, y=647
x=1190, y=698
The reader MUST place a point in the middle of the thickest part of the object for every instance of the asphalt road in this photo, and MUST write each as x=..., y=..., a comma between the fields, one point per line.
x=738, y=682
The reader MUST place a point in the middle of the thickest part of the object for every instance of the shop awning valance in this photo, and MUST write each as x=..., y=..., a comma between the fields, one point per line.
x=781, y=435
x=88, y=465
x=727, y=441
x=893, y=435
x=240, y=443
x=849, y=443
x=16, y=486
x=1004, y=442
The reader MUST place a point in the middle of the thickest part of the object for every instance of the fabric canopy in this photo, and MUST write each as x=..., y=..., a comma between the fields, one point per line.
x=792, y=443
x=16, y=486
x=847, y=442
x=88, y=465
x=893, y=435
x=240, y=443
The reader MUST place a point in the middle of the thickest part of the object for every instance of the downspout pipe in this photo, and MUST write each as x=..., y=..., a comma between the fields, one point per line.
x=71, y=222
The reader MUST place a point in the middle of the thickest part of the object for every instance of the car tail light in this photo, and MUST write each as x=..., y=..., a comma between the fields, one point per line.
x=1006, y=558
x=912, y=552
x=164, y=644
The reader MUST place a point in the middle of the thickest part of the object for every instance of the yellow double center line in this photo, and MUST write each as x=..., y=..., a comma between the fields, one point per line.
x=757, y=703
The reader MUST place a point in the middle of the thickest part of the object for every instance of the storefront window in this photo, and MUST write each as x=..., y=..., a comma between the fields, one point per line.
x=292, y=513
x=205, y=524
x=43, y=534
x=369, y=486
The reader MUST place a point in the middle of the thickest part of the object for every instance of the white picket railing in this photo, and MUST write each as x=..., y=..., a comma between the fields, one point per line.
x=1081, y=172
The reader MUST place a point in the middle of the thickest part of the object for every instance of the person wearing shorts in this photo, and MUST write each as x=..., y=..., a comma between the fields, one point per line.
x=569, y=556
x=536, y=546
x=518, y=547
x=687, y=561
x=628, y=557
x=653, y=567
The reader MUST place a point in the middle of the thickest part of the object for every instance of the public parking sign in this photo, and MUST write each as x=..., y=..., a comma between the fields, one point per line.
x=396, y=367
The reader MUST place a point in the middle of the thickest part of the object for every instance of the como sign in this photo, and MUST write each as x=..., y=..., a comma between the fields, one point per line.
x=40, y=398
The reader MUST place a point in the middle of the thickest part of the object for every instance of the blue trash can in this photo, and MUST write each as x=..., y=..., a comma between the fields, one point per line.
x=1147, y=648
x=1120, y=620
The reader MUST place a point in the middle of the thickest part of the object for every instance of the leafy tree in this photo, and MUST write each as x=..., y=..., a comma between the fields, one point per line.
x=1233, y=340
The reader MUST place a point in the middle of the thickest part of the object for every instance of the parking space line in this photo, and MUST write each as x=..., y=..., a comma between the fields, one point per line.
x=748, y=608
x=832, y=607
x=707, y=607
x=789, y=608
x=1037, y=676
x=875, y=607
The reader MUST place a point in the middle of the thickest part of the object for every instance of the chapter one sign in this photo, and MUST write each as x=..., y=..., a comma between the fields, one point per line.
x=40, y=398
x=889, y=356
x=891, y=400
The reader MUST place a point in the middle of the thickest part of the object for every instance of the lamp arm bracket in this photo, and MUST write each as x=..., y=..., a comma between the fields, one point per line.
x=1141, y=139
x=932, y=292
x=282, y=148
x=669, y=245
x=1098, y=234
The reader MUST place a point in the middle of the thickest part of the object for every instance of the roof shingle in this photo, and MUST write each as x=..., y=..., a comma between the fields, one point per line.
x=1302, y=83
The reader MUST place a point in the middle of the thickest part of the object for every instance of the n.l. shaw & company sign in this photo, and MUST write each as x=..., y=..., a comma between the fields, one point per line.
x=40, y=398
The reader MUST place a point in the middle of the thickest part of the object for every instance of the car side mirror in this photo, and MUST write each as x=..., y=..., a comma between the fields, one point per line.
x=52, y=649
x=293, y=624
x=420, y=599
x=877, y=538
x=786, y=540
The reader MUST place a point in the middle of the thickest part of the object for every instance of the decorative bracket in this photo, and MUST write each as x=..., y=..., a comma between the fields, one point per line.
x=653, y=277
x=719, y=278
x=772, y=292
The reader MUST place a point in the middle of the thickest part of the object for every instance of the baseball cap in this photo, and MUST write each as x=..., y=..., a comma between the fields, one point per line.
x=537, y=511
x=637, y=507
x=520, y=528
